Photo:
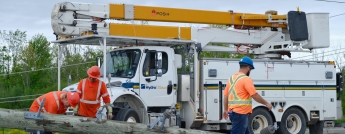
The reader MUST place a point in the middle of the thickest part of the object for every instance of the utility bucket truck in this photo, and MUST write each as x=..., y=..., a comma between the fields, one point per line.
x=142, y=72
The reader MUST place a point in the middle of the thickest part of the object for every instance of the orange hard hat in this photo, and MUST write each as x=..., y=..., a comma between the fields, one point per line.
x=94, y=72
x=73, y=98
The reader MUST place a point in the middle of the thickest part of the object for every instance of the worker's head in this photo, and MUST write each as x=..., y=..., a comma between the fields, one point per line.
x=94, y=73
x=70, y=99
x=246, y=65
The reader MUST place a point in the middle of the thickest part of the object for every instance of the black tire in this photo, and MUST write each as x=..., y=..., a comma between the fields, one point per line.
x=125, y=114
x=259, y=119
x=317, y=128
x=296, y=116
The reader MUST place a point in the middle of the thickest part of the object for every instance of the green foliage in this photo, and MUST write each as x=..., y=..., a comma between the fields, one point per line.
x=12, y=131
x=17, y=131
x=29, y=68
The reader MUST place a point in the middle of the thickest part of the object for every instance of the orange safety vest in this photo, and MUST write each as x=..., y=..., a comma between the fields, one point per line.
x=97, y=96
x=89, y=107
x=233, y=99
x=47, y=103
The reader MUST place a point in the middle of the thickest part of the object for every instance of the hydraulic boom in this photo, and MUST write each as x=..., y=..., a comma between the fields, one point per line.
x=265, y=35
x=69, y=18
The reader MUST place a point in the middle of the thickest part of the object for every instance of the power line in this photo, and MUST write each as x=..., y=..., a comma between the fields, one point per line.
x=16, y=101
x=331, y=1
x=45, y=68
x=328, y=54
x=337, y=15
x=20, y=96
x=341, y=2
x=319, y=53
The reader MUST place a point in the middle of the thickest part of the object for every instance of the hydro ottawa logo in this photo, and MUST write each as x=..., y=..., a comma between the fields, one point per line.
x=144, y=86
x=154, y=13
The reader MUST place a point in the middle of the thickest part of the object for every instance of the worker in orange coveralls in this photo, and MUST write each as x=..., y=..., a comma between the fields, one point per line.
x=56, y=102
x=91, y=89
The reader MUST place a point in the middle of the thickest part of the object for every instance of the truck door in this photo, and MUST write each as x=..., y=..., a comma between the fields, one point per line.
x=153, y=88
x=330, y=99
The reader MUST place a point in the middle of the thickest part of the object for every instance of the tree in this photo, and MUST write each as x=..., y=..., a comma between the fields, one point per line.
x=338, y=55
x=35, y=56
x=11, y=44
x=14, y=41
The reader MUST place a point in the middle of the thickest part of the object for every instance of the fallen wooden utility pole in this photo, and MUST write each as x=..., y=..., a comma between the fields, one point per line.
x=76, y=124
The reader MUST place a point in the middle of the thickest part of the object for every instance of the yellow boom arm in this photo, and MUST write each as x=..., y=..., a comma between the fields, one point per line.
x=150, y=13
x=77, y=19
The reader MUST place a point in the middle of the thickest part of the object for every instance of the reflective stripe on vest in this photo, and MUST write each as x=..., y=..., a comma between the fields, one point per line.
x=56, y=99
x=236, y=99
x=97, y=97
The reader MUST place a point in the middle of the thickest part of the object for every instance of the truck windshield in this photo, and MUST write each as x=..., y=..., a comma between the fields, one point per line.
x=122, y=63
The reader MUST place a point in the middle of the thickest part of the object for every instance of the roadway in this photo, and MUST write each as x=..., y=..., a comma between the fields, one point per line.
x=330, y=130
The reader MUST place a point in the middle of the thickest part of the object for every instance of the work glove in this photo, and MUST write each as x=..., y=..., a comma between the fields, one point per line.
x=110, y=116
x=110, y=113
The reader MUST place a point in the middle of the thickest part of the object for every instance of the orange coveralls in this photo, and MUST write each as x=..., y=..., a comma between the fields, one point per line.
x=52, y=104
x=90, y=94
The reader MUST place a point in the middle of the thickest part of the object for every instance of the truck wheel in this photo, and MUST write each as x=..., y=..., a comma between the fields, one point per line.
x=259, y=119
x=293, y=122
x=128, y=115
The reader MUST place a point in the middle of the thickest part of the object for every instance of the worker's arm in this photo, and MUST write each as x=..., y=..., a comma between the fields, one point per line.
x=105, y=96
x=225, y=100
x=79, y=88
x=249, y=86
x=259, y=99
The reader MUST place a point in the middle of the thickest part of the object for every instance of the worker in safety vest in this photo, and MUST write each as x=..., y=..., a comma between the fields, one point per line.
x=91, y=89
x=56, y=102
x=238, y=95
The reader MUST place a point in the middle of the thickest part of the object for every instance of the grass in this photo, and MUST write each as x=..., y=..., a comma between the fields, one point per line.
x=16, y=131
x=340, y=121
x=12, y=131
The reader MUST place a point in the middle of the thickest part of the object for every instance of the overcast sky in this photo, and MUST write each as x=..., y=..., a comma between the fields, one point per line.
x=34, y=16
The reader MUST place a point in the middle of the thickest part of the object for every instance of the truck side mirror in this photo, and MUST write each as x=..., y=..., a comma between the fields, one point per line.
x=159, y=72
x=159, y=64
x=159, y=60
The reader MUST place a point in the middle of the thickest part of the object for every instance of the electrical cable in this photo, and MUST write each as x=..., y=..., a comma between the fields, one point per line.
x=331, y=1
x=333, y=53
x=326, y=55
x=319, y=53
x=16, y=101
x=20, y=96
x=337, y=15
x=45, y=69
x=342, y=2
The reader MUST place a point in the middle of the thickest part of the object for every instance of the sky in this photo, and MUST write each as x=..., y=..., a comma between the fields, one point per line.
x=34, y=16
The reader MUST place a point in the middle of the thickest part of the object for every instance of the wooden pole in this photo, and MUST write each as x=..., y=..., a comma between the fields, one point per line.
x=77, y=124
